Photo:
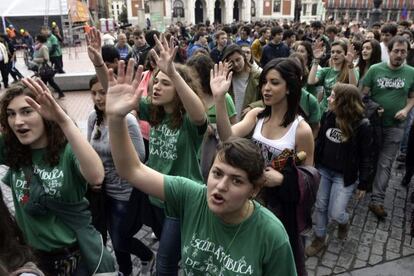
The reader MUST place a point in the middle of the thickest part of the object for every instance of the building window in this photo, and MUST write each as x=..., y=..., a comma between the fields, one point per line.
x=314, y=9
x=178, y=10
x=276, y=5
x=304, y=6
x=395, y=4
x=384, y=4
x=354, y=4
x=146, y=7
x=366, y=3
x=253, y=9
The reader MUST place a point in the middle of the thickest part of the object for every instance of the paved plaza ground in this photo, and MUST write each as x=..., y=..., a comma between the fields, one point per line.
x=372, y=247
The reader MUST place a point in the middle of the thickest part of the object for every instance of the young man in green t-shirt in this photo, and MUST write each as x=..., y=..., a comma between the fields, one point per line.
x=391, y=85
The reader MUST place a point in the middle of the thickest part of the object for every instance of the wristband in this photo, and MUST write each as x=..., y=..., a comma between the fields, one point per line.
x=351, y=66
x=101, y=65
x=316, y=61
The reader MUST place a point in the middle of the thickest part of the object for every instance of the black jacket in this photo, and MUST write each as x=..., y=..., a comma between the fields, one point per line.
x=271, y=51
x=358, y=161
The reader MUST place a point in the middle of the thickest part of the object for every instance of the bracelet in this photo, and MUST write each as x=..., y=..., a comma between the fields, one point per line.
x=351, y=66
x=97, y=66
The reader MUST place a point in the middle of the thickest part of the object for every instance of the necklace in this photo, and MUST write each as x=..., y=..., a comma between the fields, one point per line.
x=238, y=228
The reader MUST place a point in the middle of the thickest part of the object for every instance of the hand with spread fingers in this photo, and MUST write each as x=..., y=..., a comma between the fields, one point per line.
x=350, y=55
x=167, y=54
x=318, y=49
x=44, y=104
x=220, y=81
x=123, y=93
x=94, y=42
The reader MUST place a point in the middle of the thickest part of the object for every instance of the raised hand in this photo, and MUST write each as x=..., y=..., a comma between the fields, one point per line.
x=44, y=102
x=350, y=55
x=123, y=93
x=94, y=42
x=220, y=81
x=167, y=54
x=318, y=49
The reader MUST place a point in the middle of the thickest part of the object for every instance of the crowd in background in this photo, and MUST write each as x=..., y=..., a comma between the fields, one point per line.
x=263, y=94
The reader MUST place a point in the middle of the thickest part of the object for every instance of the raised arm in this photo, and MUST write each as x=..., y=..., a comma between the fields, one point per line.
x=190, y=100
x=122, y=97
x=220, y=82
x=349, y=59
x=317, y=55
x=89, y=162
x=94, y=42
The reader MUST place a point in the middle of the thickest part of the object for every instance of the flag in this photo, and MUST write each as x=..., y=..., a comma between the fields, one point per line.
x=404, y=13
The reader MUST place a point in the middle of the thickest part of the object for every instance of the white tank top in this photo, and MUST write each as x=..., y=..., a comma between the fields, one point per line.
x=272, y=148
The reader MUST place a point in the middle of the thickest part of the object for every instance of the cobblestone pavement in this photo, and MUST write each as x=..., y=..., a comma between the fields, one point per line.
x=369, y=242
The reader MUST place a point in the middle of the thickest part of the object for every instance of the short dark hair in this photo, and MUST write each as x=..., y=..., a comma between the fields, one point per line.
x=331, y=29
x=110, y=53
x=288, y=34
x=263, y=30
x=316, y=24
x=137, y=32
x=243, y=154
x=276, y=30
x=41, y=38
x=389, y=28
x=398, y=39
x=219, y=33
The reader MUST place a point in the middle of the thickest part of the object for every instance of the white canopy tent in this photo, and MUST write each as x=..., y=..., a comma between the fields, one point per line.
x=33, y=8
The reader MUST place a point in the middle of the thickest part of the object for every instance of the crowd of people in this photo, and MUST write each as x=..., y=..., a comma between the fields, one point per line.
x=203, y=133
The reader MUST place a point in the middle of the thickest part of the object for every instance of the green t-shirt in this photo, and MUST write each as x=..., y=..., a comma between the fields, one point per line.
x=310, y=106
x=64, y=182
x=231, y=109
x=327, y=77
x=259, y=246
x=390, y=89
x=52, y=40
x=173, y=151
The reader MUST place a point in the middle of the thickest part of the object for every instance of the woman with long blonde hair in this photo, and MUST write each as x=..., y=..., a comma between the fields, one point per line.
x=342, y=156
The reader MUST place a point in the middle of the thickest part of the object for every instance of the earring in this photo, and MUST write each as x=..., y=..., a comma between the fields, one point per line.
x=287, y=92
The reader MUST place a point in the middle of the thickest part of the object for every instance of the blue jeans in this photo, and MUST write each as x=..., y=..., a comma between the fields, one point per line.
x=331, y=200
x=116, y=210
x=169, y=250
x=391, y=139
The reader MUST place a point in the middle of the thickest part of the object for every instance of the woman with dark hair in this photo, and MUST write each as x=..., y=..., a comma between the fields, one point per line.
x=343, y=157
x=369, y=55
x=220, y=221
x=116, y=191
x=41, y=57
x=50, y=165
x=178, y=123
x=341, y=68
x=202, y=65
x=275, y=128
x=304, y=48
x=247, y=50
x=243, y=88
x=15, y=254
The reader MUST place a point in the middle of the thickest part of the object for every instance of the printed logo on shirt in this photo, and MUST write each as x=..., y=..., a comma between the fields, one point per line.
x=334, y=135
x=211, y=259
x=163, y=144
x=396, y=83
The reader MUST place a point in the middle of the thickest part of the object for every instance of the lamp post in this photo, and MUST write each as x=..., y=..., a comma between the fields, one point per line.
x=375, y=13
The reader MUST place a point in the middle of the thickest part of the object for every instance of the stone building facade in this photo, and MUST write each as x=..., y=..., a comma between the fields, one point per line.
x=226, y=11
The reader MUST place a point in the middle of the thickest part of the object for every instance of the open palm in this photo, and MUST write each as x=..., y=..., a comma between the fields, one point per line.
x=167, y=54
x=220, y=80
x=44, y=104
x=123, y=93
x=318, y=49
x=350, y=55
x=94, y=42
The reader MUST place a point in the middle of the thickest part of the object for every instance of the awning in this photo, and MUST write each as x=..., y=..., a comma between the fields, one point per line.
x=79, y=11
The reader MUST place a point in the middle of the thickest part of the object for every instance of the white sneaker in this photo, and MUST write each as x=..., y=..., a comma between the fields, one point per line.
x=147, y=267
